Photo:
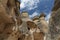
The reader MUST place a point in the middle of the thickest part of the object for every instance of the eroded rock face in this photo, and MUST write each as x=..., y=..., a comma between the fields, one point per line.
x=39, y=36
x=34, y=32
x=54, y=22
x=55, y=25
x=16, y=35
x=44, y=25
x=36, y=19
x=56, y=5
x=8, y=18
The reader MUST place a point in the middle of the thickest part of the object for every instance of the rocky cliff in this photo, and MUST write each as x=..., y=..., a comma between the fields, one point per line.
x=56, y=5
x=54, y=22
x=9, y=17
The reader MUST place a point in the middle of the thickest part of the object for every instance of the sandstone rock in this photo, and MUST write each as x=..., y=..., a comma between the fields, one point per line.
x=55, y=25
x=23, y=28
x=36, y=19
x=15, y=36
x=34, y=32
x=56, y=5
x=43, y=23
x=3, y=15
x=8, y=18
x=39, y=36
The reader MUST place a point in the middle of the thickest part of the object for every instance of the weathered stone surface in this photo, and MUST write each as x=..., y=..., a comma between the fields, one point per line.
x=3, y=15
x=55, y=25
x=39, y=36
x=34, y=32
x=15, y=36
x=56, y=5
x=54, y=22
x=44, y=25
x=23, y=28
x=9, y=18
x=29, y=23
x=36, y=19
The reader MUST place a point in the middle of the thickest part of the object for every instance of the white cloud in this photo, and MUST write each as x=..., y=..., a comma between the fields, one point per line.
x=29, y=4
x=22, y=5
x=48, y=17
x=34, y=14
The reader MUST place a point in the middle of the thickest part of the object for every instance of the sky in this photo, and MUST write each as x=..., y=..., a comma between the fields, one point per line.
x=35, y=7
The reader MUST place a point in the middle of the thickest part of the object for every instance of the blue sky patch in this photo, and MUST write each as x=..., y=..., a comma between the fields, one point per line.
x=35, y=7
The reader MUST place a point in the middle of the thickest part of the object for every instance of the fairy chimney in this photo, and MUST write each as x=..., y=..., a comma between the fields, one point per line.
x=23, y=28
x=44, y=24
x=36, y=19
x=25, y=16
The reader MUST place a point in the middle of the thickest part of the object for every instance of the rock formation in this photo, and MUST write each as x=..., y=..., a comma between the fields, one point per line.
x=42, y=24
x=36, y=19
x=56, y=5
x=54, y=22
x=34, y=32
x=25, y=18
x=16, y=26
x=55, y=25
x=8, y=18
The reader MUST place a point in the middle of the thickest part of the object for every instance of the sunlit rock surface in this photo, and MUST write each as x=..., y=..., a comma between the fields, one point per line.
x=54, y=22
x=56, y=5
x=55, y=25
x=16, y=26
x=8, y=18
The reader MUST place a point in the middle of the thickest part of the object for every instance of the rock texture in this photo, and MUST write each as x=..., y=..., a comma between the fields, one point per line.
x=16, y=26
x=56, y=5
x=54, y=22
x=55, y=25
x=9, y=18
